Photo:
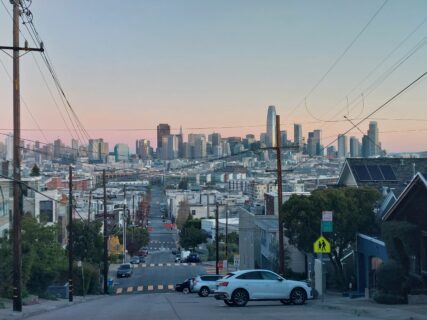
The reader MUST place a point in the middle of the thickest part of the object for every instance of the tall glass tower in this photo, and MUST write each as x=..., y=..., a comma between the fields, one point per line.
x=271, y=126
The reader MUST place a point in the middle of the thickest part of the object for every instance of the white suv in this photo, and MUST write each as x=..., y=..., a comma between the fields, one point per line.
x=206, y=284
x=241, y=286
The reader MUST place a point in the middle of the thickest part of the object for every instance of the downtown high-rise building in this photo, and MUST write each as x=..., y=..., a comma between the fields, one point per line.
x=355, y=147
x=121, y=152
x=75, y=147
x=163, y=130
x=314, y=147
x=298, y=134
x=342, y=146
x=98, y=150
x=271, y=127
x=371, y=146
x=143, y=149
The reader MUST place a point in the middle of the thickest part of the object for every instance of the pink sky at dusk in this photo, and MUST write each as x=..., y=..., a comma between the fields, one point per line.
x=221, y=64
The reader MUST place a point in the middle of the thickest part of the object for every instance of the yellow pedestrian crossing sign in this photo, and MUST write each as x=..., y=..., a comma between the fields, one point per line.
x=322, y=245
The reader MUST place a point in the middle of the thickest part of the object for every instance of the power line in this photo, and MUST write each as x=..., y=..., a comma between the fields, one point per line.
x=380, y=107
x=338, y=59
x=373, y=70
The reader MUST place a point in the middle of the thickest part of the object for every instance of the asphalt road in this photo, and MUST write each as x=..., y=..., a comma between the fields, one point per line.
x=159, y=273
x=178, y=306
x=162, y=236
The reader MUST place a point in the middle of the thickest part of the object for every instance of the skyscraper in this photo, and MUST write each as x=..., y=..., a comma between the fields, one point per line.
x=374, y=144
x=143, y=149
x=298, y=134
x=163, y=129
x=354, y=147
x=342, y=146
x=371, y=146
x=271, y=127
x=121, y=152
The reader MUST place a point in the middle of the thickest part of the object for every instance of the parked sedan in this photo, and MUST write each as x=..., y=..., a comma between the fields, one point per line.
x=125, y=270
x=185, y=287
x=245, y=285
x=135, y=260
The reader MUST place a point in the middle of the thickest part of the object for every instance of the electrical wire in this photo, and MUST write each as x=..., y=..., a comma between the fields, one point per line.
x=338, y=59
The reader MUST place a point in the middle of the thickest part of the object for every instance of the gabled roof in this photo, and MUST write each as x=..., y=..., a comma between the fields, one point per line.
x=418, y=181
x=393, y=173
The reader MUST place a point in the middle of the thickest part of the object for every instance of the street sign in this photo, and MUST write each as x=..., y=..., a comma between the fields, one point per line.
x=327, y=226
x=327, y=216
x=322, y=245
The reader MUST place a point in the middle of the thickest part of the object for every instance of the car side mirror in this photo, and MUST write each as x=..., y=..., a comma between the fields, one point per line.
x=280, y=279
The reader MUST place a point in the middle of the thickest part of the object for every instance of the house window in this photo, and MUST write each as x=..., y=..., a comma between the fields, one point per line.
x=193, y=212
x=46, y=211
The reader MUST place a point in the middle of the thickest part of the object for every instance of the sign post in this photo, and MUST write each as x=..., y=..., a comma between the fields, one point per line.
x=322, y=245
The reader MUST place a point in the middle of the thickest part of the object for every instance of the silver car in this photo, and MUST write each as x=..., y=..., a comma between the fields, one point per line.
x=206, y=284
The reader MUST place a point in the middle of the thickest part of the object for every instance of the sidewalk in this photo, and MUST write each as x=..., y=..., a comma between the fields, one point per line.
x=366, y=307
x=43, y=306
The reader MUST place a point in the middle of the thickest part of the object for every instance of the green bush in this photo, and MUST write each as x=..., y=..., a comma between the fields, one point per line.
x=391, y=278
x=389, y=298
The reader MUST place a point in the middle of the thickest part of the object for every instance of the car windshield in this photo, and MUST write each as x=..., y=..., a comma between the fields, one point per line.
x=124, y=266
x=228, y=275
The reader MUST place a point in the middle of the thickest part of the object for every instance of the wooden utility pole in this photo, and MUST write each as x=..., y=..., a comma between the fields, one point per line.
x=70, y=235
x=124, y=227
x=17, y=187
x=90, y=205
x=105, y=271
x=217, y=239
x=279, y=197
x=17, y=191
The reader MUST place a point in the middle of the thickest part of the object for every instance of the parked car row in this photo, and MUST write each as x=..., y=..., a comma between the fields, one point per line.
x=239, y=287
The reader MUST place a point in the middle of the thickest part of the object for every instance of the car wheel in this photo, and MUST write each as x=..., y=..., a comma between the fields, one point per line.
x=186, y=290
x=240, y=297
x=204, y=292
x=298, y=296
x=229, y=303
x=285, y=301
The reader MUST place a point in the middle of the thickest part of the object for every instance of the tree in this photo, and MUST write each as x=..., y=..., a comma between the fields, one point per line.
x=191, y=237
x=136, y=238
x=44, y=260
x=183, y=214
x=88, y=242
x=191, y=234
x=353, y=213
x=35, y=171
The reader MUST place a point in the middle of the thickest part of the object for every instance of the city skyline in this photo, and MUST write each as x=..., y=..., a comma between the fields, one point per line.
x=219, y=73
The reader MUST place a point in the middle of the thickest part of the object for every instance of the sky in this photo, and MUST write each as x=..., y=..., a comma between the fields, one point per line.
x=207, y=66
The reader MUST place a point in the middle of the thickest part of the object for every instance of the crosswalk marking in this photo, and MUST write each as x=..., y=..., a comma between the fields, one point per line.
x=168, y=264
x=160, y=264
x=147, y=288
x=152, y=265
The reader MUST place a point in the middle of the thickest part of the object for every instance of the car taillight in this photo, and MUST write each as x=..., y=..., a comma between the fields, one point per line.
x=223, y=284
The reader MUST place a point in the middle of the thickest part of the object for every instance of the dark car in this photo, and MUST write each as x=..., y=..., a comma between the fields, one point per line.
x=185, y=287
x=125, y=270
x=192, y=258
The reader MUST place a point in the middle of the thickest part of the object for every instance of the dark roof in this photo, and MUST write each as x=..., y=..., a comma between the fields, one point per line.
x=411, y=204
x=395, y=173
